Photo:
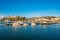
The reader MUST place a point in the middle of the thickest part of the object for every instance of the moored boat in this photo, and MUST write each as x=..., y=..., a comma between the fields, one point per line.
x=33, y=24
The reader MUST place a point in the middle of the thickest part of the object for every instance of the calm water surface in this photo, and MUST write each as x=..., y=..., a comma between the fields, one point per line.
x=38, y=32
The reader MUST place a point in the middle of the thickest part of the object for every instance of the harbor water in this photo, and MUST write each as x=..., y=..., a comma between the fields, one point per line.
x=38, y=32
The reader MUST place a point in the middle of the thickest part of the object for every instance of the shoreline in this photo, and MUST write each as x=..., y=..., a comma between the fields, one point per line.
x=18, y=20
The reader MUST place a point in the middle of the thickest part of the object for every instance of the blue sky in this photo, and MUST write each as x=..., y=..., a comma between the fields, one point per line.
x=29, y=8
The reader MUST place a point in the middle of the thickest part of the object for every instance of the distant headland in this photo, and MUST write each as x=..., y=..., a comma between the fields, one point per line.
x=19, y=20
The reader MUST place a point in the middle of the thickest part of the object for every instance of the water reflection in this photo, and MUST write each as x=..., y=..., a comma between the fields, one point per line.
x=44, y=26
x=57, y=25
